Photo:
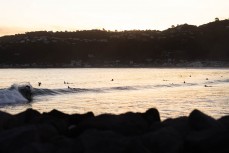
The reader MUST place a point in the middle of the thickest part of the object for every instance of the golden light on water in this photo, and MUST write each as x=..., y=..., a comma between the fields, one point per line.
x=132, y=90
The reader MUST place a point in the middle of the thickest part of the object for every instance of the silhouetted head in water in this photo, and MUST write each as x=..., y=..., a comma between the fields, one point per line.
x=39, y=83
x=26, y=92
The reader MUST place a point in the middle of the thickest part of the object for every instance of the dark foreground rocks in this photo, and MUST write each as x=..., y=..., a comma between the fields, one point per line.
x=31, y=131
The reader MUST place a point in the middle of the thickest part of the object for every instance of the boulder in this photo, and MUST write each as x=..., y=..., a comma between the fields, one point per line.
x=20, y=119
x=4, y=118
x=17, y=138
x=164, y=140
x=207, y=141
x=180, y=124
x=67, y=145
x=96, y=141
x=75, y=119
x=126, y=124
x=72, y=119
x=224, y=121
x=57, y=114
x=36, y=148
x=136, y=146
x=59, y=123
x=152, y=115
x=199, y=121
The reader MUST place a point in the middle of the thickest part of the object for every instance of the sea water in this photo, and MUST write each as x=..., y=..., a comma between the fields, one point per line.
x=174, y=92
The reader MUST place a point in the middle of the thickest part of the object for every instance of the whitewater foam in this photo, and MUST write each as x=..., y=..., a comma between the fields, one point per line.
x=13, y=95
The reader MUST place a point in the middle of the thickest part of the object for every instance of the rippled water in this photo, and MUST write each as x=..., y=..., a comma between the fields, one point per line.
x=174, y=92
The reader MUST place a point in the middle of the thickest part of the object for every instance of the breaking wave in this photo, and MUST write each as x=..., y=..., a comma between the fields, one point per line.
x=24, y=92
x=17, y=93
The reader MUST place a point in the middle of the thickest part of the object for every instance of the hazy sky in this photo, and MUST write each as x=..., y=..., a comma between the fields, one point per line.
x=17, y=16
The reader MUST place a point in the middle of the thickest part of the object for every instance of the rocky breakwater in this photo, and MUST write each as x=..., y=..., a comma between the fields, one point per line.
x=31, y=131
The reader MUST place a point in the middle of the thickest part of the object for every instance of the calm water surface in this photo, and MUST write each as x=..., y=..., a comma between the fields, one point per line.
x=174, y=92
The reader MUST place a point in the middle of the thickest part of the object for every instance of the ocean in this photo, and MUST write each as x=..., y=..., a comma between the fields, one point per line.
x=173, y=91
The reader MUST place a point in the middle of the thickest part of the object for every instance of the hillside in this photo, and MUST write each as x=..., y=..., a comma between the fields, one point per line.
x=100, y=48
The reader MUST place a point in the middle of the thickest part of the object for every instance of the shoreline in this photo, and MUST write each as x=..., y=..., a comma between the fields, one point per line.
x=185, y=64
x=55, y=131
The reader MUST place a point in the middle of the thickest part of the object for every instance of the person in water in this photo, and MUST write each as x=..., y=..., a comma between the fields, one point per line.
x=39, y=83
x=26, y=92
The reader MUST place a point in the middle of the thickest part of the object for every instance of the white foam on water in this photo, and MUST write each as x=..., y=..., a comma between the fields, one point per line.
x=11, y=96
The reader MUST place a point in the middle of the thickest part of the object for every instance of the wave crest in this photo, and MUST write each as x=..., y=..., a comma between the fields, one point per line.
x=17, y=93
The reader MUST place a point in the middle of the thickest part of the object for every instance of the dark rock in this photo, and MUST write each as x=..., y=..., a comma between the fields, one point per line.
x=165, y=140
x=95, y=141
x=199, y=121
x=4, y=117
x=16, y=138
x=70, y=119
x=28, y=115
x=22, y=118
x=155, y=126
x=127, y=124
x=208, y=141
x=67, y=145
x=60, y=124
x=57, y=114
x=179, y=124
x=136, y=146
x=36, y=148
x=58, y=132
x=224, y=121
x=152, y=115
x=77, y=118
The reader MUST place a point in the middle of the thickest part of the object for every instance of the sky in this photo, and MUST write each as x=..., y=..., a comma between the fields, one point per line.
x=19, y=16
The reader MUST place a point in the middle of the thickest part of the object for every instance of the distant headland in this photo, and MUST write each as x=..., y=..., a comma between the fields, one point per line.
x=179, y=46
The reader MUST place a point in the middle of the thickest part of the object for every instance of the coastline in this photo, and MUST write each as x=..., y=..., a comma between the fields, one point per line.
x=54, y=131
x=180, y=64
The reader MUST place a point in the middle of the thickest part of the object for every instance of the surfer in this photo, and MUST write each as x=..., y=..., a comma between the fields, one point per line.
x=112, y=79
x=39, y=83
x=26, y=92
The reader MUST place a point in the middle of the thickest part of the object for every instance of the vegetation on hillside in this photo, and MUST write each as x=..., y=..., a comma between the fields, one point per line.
x=208, y=42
